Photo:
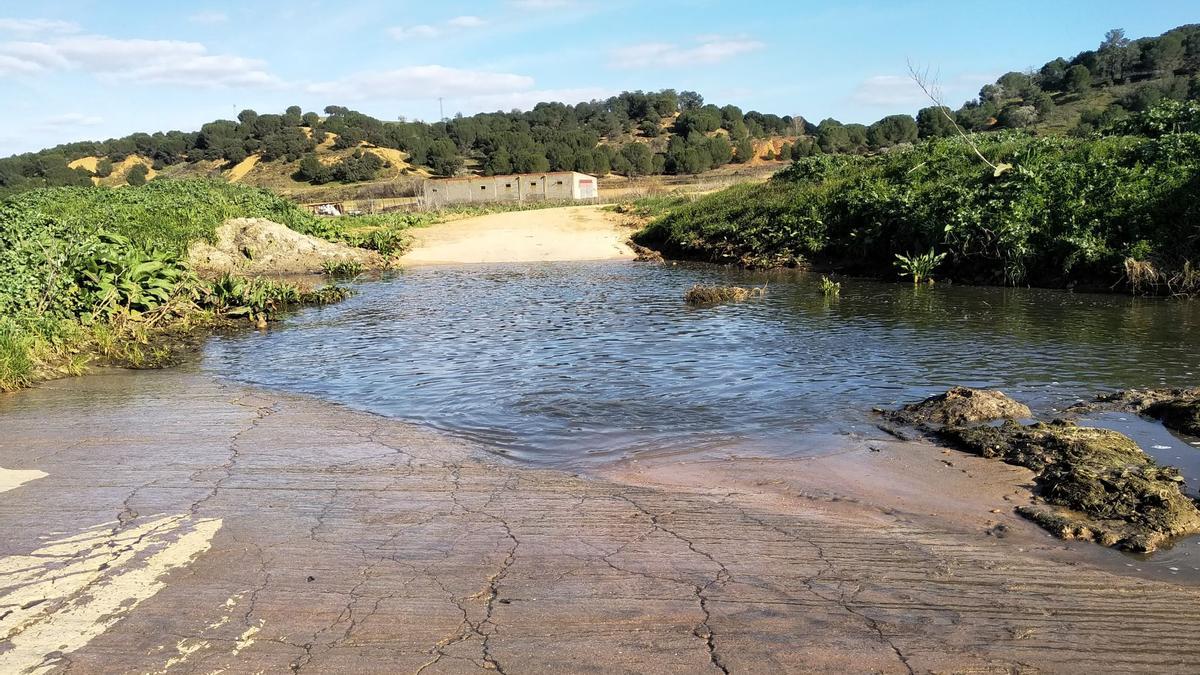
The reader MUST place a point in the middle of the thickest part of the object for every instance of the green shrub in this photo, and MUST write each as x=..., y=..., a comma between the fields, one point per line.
x=1069, y=210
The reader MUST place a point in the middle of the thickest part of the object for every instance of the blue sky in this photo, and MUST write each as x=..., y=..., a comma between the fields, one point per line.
x=91, y=70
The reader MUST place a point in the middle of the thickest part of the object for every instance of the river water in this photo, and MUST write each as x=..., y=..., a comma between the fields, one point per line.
x=568, y=363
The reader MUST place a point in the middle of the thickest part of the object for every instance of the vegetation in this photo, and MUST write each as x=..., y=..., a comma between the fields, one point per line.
x=920, y=267
x=99, y=272
x=1072, y=210
x=701, y=294
x=830, y=288
x=342, y=268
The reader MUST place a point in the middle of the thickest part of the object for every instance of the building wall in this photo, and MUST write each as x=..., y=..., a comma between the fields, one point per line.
x=559, y=186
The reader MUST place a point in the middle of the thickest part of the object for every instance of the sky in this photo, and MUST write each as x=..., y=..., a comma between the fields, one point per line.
x=90, y=70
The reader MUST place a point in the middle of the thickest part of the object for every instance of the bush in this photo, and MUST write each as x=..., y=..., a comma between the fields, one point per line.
x=1070, y=210
x=136, y=175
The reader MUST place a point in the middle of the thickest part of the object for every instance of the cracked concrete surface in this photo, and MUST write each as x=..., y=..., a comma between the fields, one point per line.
x=190, y=526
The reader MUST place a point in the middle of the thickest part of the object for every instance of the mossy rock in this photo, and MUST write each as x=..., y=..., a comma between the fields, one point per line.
x=960, y=406
x=1178, y=409
x=1115, y=493
x=1181, y=414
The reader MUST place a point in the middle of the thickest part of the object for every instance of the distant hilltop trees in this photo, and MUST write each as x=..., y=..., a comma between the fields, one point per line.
x=642, y=133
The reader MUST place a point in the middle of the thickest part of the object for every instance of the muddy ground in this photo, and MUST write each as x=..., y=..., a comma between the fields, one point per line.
x=188, y=525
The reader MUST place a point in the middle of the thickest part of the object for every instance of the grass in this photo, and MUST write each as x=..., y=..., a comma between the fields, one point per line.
x=651, y=206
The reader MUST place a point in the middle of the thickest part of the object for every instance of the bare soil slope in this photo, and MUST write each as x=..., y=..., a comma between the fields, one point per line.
x=569, y=233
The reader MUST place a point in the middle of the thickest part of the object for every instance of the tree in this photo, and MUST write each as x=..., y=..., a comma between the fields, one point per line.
x=935, y=122
x=1078, y=80
x=136, y=175
x=892, y=130
x=104, y=168
x=639, y=158
x=500, y=162
x=1165, y=54
x=719, y=150
x=833, y=137
x=310, y=119
x=1051, y=76
x=247, y=117
x=743, y=150
x=1017, y=116
x=787, y=151
x=443, y=157
x=311, y=170
x=690, y=100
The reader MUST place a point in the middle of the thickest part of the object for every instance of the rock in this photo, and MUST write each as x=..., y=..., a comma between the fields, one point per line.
x=960, y=406
x=1177, y=409
x=259, y=246
x=1098, y=484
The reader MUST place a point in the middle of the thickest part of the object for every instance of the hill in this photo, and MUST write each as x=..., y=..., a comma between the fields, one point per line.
x=632, y=134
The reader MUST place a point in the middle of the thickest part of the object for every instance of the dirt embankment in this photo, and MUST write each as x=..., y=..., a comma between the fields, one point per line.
x=254, y=246
x=540, y=235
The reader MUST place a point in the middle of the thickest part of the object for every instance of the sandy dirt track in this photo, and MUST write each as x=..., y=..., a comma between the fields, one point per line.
x=185, y=525
x=539, y=235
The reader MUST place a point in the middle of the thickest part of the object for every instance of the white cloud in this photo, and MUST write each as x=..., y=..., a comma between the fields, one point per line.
x=209, y=17
x=135, y=60
x=27, y=27
x=69, y=120
x=542, y=4
x=413, y=32
x=426, y=31
x=711, y=49
x=421, y=82
x=466, y=22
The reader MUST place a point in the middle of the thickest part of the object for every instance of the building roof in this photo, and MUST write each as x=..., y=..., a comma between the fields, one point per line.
x=508, y=175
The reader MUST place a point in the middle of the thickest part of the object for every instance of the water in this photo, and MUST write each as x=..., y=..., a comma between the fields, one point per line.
x=569, y=363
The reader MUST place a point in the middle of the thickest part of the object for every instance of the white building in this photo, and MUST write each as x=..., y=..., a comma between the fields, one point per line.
x=524, y=187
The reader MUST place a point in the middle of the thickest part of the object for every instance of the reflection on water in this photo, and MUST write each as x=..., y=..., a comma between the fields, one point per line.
x=565, y=362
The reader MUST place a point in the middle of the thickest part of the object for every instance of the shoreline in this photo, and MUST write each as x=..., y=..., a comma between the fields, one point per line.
x=267, y=530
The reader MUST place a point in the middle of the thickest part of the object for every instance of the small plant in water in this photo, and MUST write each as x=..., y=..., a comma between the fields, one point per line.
x=829, y=287
x=920, y=267
x=342, y=268
x=711, y=295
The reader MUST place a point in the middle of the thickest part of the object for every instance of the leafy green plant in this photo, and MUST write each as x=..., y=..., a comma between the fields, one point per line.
x=121, y=278
x=829, y=287
x=342, y=268
x=921, y=266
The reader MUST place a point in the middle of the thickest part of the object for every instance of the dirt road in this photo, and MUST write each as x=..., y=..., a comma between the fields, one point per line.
x=192, y=526
x=557, y=234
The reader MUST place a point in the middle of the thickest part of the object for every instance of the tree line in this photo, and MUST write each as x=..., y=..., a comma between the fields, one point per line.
x=637, y=133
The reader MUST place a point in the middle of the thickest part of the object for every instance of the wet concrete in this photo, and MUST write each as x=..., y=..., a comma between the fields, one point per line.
x=186, y=525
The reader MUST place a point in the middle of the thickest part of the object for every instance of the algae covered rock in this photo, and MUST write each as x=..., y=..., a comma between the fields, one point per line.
x=1104, y=487
x=1177, y=409
x=960, y=406
x=1181, y=413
